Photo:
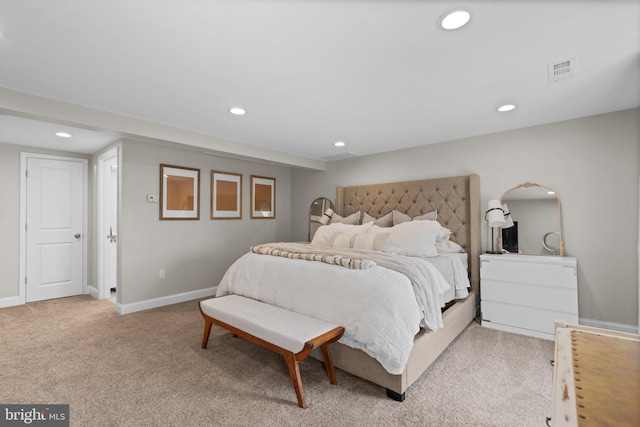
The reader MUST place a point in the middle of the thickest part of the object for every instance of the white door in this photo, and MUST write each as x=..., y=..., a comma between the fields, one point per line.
x=110, y=223
x=54, y=228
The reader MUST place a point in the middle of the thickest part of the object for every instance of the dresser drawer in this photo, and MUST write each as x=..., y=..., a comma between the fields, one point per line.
x=540, y=273
x=555, y=298
x=529, y=318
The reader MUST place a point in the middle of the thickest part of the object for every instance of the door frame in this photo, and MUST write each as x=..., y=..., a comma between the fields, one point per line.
x=24, y=157
x=103, y=292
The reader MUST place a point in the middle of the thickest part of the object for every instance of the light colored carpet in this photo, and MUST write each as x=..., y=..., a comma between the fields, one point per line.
x=147, y=369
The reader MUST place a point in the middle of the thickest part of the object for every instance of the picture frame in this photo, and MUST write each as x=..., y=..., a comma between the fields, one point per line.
x=226, y=195
x=179, y=193
x=263, y=197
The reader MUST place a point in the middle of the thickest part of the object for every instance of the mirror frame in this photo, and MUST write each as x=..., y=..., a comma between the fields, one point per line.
x=529, y=185
x=327, y=203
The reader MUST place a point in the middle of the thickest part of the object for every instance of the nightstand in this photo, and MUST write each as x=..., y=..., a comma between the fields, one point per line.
x=527, y=294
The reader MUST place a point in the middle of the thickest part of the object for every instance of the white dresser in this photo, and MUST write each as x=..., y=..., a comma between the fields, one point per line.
x=527, y=294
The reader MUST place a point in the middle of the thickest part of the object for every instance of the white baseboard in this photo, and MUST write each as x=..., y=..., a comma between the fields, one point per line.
x=162, y=301
x=92, y=291
x=11, y=301
x=620, y=327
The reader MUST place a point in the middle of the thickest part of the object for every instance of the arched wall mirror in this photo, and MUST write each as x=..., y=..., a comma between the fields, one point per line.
x=316, y=210
x=536, y=214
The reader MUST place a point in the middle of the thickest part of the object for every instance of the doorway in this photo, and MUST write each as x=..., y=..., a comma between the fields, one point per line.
x=108, y=225
x=53, y=214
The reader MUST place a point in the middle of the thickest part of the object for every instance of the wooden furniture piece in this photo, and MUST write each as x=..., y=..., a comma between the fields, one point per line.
x=290, y=334
x=528, y=294
x=596, y=380
x=457, y=200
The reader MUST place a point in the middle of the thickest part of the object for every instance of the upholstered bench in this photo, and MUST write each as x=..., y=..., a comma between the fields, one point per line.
x=290, y=334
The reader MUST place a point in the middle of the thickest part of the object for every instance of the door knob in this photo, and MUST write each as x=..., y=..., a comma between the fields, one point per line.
x=77, y=235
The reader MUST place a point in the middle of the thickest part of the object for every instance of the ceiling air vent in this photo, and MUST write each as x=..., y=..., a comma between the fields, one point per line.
x=562, y=70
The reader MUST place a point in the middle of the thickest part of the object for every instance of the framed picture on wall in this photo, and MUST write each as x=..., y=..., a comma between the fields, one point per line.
x=263, y=197
x=226, y=195
x=179, y=192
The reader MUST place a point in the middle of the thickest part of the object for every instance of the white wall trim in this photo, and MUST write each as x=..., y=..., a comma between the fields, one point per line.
x=10, y=301
x=22, y=286
x=162, y=301
x=101, y=290
x=93, y=291
x=620, y=327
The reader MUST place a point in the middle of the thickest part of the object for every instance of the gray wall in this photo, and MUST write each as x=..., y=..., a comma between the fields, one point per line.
x=593, y=163
x=194, y=254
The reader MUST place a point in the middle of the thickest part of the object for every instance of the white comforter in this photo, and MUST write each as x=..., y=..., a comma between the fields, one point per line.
x=380, y=309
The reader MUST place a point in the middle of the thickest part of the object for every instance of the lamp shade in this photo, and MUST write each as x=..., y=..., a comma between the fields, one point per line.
x=495, y=214
x=507, y=217
x=326, y=216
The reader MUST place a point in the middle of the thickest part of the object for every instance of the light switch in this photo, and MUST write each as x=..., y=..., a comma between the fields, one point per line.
x=152, y=198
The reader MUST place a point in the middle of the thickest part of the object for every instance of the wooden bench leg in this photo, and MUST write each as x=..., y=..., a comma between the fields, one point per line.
x=328, y=363
x=207, y=331
x=294, y=373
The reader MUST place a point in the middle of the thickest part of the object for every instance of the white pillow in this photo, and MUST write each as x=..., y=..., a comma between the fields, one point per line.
x=377, y=229
x=368, y=241
x=324, y=233
x=414, y=238
x=444, y=234
x=351, y=219
x=447, y=245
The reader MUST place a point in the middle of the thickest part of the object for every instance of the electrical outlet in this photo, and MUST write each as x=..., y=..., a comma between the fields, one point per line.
x=161, y=273
x=152, y=198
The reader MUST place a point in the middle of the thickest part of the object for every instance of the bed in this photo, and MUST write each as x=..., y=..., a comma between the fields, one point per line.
x=378, y=281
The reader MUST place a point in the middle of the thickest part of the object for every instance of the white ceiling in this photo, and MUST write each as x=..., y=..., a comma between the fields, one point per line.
x=36, y=133
x=376, y=74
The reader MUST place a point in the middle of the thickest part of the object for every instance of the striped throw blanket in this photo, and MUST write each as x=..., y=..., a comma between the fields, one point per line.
x=310, y=253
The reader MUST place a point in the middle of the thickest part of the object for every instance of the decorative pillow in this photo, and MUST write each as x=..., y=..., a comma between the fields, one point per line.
x=376, y=229
x=324, y=233
x=399, y=217
x=415, y=238
x=368, y=241
x=444, y=234
x=383, y=221
x=431, y=216
x=341, y=240
x=351, y=219
x=446, y=245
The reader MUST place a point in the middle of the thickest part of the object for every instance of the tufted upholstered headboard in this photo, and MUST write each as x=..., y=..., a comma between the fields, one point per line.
x=457, y=200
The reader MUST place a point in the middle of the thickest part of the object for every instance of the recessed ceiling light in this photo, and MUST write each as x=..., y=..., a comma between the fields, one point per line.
x=454, y=19
x=551, y=193
x=63, y=134
x=238, y=111
x=339, y=144
x=507, y=107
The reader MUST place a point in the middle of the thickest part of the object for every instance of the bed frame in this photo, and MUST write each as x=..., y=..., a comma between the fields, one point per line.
x=457, y=200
